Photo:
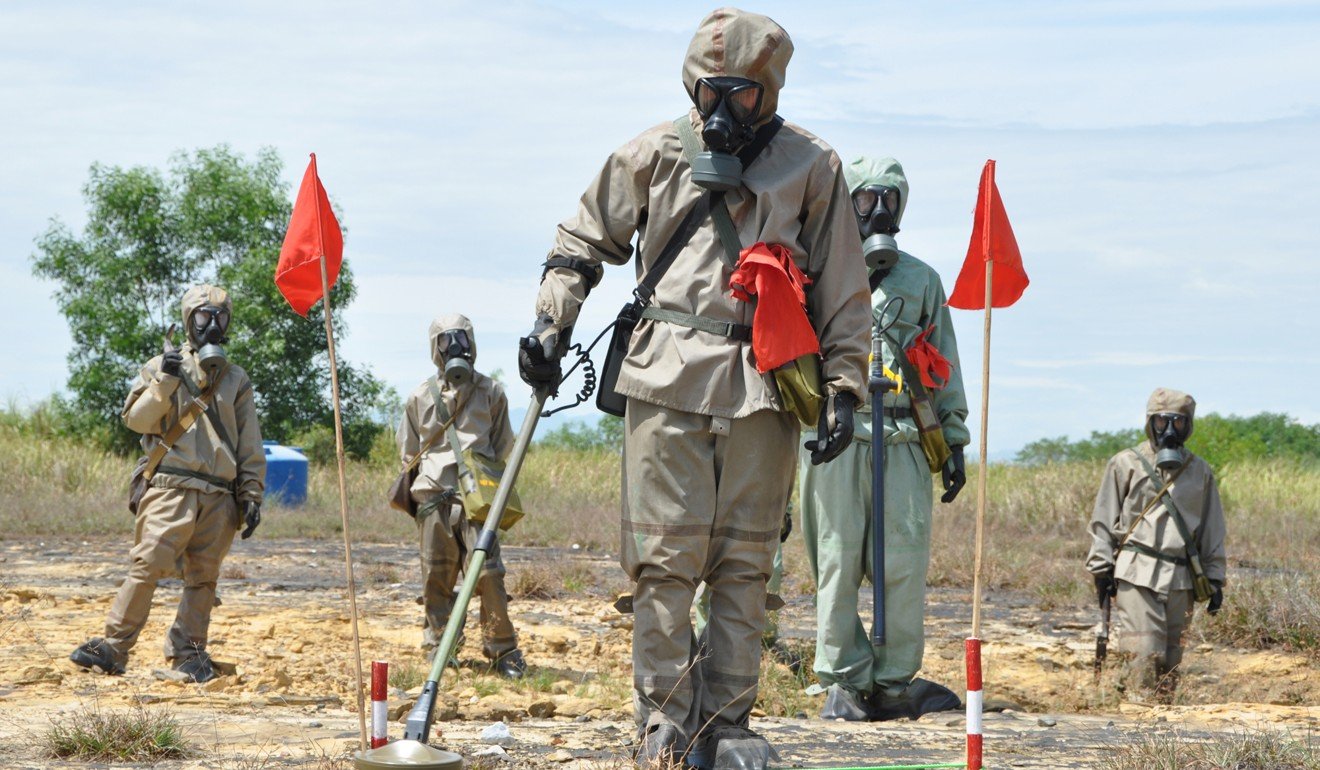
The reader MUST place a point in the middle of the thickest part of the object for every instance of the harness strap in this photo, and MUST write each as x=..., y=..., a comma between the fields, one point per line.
x=170, y=470
x=1151, y=552
x=734, y=331
x=898, y=412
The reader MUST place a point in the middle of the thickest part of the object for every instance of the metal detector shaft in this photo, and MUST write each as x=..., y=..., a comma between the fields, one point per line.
x=418, y=726
x=878, y=386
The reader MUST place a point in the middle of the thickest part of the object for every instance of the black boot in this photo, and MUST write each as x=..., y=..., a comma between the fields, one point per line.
x=659, y=749
x=197, y=667
x=922, y=696
x=511, y=665
x=738, y=748
x=95, y=655
x=842, y=703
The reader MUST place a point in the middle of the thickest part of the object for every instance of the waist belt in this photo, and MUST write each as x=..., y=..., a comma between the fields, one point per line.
x=734, y=331
x=445, y=498
x=208, y=478
x=1146, y=550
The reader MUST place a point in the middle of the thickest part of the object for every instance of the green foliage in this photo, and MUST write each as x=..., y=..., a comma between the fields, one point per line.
x=1217, y=439
x=213, y=217
x=605, y=434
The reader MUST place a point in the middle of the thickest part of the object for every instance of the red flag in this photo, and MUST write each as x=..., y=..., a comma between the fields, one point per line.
x=781, y=330
x=992, y=239
x=313, y=232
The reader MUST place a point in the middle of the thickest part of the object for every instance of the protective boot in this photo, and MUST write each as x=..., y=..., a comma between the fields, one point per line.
x=198, y=668
x=511, y=665
x=842, y=703
x=659, y=749
x=922, y=696
x=94, y=655
x=737, y=748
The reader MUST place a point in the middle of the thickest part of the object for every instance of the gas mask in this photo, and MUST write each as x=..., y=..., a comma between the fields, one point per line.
x=1169, y=431
x=877, y=208
x=728, y=107
x=456, y=350
x=208, y=327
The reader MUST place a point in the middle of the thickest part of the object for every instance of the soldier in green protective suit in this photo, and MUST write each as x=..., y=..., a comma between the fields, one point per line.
x=865, y=682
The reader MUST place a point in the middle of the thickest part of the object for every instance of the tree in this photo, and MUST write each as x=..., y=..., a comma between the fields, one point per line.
x=214, y=217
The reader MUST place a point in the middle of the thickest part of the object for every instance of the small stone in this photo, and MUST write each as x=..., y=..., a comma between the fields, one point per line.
x=1047, y=721
x=560, y=756
x=38, y=675
x=542, y=709
x=490, y=751
x=314, y=724
x=219, y=684
x=581, y=719
x=497, y=735
x=169, y=675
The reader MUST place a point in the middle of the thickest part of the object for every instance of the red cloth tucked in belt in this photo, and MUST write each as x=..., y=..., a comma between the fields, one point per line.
x=781, y=331
x=929, y=362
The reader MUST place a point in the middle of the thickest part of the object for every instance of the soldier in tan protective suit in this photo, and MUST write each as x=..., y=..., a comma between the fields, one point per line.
x=480, y=411
x=1139, y=554
x=208, y=484
x=709, y=448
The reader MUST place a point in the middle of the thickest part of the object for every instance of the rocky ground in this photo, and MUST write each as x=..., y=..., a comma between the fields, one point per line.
x=287, y=700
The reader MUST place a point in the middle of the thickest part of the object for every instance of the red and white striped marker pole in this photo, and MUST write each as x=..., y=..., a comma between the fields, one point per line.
x=380, y=677
x=974, y=704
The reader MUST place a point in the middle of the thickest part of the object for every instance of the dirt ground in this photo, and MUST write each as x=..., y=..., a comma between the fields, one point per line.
x=288, y=701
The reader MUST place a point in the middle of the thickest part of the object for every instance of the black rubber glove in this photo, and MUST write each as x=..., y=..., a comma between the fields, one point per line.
x=170, y=362
x=251, y=517
x=786, y=528
x=835, y=431
x=1105, y=586
x=953, y=474
x=1216, y=598
x=539, y=354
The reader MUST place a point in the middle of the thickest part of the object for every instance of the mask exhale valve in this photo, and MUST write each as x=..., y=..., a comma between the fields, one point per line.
x=457, y=353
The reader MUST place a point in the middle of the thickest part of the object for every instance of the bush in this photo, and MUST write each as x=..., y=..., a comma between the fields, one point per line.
x=606, y=434
x=135, y=735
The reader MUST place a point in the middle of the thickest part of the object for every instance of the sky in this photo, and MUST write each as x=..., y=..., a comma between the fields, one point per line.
x=1160, y=162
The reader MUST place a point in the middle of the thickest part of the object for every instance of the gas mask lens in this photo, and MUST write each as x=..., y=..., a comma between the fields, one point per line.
x=1161, y=422
x=741, y=97
x=203, y=316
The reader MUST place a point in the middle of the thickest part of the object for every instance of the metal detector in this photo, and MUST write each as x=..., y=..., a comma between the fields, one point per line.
x=879, y=385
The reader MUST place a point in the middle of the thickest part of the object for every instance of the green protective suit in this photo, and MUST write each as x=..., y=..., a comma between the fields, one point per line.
x=836, y=498
x=771, y=633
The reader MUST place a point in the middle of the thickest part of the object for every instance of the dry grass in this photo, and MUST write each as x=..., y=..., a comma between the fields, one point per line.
x=1245, y=750
x=93, y=734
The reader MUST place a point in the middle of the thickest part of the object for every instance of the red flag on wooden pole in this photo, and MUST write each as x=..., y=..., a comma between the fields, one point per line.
x=992, y=241
x=313, y=232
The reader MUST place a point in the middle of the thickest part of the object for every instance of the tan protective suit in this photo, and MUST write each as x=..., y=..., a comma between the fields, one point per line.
x=1154, y=601
x=191, y=511
x=708, y=453
x=445, y=535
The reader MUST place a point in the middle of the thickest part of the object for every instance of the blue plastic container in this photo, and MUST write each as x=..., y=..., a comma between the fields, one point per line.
x=286, y=474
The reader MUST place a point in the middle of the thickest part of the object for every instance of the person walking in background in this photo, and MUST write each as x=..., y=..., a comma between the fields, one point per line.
x=461, y=402
x=1157, y=544
x=202, y=479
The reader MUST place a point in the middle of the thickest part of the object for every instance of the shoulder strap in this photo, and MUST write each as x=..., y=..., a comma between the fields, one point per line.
x=719, y=210
x=682, y=234
x=465, y=478
x=196, y=406
x=445, y=418
x=1165, y=495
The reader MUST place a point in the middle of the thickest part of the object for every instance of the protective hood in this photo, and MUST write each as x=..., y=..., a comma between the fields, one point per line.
x=450, y=322
x=201, y=295
x=1171, y=401
x=734, y=43
x=886, y=172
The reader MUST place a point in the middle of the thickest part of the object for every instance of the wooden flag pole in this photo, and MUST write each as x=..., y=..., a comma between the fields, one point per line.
x=981, y=480
x=975, y=699
x=343, y=497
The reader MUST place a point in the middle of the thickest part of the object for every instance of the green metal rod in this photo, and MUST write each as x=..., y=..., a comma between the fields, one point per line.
x=418, y=724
